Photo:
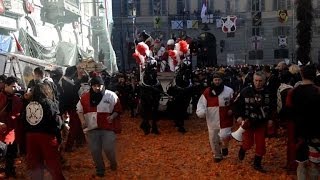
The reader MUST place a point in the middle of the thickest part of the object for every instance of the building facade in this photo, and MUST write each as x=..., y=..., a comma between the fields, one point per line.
x=264, y=32
x=50, y=21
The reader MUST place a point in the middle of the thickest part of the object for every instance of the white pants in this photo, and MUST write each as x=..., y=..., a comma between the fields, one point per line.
x=215, y=138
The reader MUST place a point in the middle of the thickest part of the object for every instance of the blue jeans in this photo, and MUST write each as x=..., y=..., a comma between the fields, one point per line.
x=102, y=140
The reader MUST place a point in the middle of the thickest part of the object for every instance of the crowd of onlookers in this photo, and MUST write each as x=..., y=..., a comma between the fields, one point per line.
x=57, y=128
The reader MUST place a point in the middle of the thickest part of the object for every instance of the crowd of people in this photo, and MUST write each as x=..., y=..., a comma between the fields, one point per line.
x=266, y=98
x=260, y=99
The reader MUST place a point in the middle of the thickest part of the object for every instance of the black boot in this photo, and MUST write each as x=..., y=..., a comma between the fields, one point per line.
x=182, y=129
x=155, y=131
x=257, y=164
x=154, y=128
x=242, y=154
x=145, y=126
x=224, y=151
x=10, y=159
x=10, y=170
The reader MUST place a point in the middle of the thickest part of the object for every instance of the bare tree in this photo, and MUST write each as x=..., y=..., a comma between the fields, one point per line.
x=304, y=30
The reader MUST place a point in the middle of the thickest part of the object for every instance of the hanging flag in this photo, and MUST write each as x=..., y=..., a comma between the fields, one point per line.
x=189, y=24
x=176, y=24
x=211, y=19
x=229, y=24
x=230, y=59
x=157, y=22
x=195, y=24
x=256, y=18
x=19, y=48
x=219, y=23
x=282, y=41
x=256, y=42
x=283, y=16
x=204, y=16
x=192, y=24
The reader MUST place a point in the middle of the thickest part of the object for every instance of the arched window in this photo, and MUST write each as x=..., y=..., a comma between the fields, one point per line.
x=32, y=25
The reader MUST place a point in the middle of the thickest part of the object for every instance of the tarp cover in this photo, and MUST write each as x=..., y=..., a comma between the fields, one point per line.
x=5, y=43
x=64, y=53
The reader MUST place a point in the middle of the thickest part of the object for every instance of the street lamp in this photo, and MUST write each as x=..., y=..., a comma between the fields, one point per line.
x=100, y=7
x=293, y=33
x=134, y=13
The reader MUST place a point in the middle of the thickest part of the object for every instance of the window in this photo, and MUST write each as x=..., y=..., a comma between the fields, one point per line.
x=210, y=4
x=128, y=6
x=281, y=4
x=237, y=6
x=183, y=7
x=255, y=5
x=180, y=6
x=86, y=10
x=263, y=5
x=228, y=6
x=138, y=7
x=164, y=7
x=130, y=9
x=316, y=4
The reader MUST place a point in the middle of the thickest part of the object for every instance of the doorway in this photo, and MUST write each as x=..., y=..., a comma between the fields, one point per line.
x=207, y=55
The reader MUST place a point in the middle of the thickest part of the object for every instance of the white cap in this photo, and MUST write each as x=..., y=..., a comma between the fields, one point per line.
x=170, y=42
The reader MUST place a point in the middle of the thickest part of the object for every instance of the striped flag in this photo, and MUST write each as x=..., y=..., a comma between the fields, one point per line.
x=204, y=16
x=19, y=48
x=192, y=24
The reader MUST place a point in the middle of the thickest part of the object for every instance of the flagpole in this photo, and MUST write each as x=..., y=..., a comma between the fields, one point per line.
x=293, y=44
x=133, y=21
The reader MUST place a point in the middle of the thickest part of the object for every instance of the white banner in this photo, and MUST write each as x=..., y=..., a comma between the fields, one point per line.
x=176, y=24
x=192, y=24
x=219, y=23
x=230, y=59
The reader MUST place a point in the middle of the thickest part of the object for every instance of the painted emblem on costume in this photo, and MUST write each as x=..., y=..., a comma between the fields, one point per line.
x=226, y=101
x=229, y=24
x=34, y=113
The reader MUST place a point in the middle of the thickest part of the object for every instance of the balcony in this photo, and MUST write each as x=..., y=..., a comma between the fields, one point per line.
x=60, y=11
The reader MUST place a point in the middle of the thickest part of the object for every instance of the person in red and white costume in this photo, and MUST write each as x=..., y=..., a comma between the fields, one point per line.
x=99, y=111
x=166, y=58
x=11, y=107
x=214, y=105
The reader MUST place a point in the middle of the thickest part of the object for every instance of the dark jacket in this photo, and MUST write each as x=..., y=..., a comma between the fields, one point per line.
x=303, y=106
x=256, y=106
x=49, y=122
x=69, y=96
